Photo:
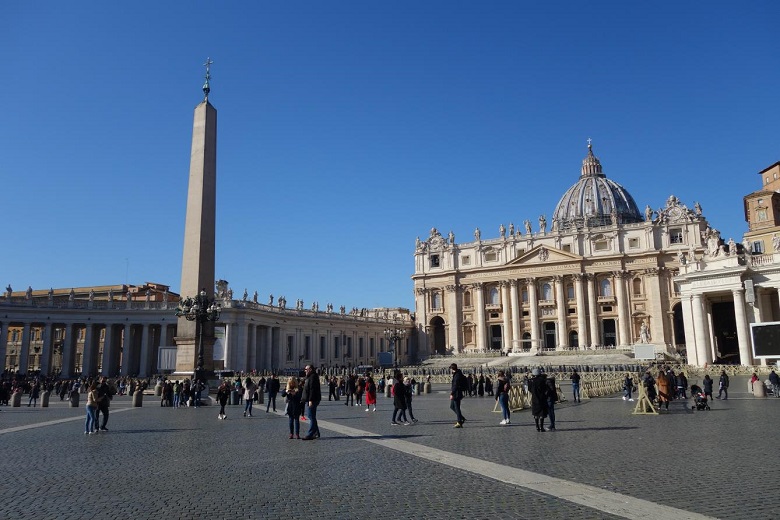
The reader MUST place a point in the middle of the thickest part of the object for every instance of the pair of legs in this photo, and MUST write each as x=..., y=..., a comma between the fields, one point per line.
x=314, y=430
x=271, y=401
x=411, y=414
x=551, y=413
x=575, y=388
x=104, y=411
x=401, y=413
x=723, y=390
x=349, y=396
x=222, y=410
x=295, y=424
x=503, y=401
x=539, y=420
x=248, y=407
x=91, y=423
x=455, y=407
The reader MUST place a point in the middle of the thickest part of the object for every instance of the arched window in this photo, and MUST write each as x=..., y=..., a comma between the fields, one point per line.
x=547, y=292
x=524, y=295
x=606, y=287
x=467, y=299
x=570, y=292
x=637, y=286
x=494, y=299
x=436, y=301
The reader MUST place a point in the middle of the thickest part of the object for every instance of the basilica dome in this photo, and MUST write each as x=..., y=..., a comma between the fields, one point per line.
x=594, y=200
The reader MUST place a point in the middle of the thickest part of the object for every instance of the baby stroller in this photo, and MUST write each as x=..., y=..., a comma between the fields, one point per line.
x=699, y=399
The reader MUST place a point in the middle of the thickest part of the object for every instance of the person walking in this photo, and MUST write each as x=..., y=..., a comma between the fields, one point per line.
x=249, y=396
x=457, y=388
x=90, y=425
x=537, y=386
x=665, y=389
x=370, y=393
x=552, y=398
x=707, y=384
x=349, y=390
x=408, y=392
x=35, y=393
x=311, y=397
x=223, y=394
x=292, y=410
x=272, y=385
x=502, y=396
x=332, y=389
x=105, y=393
x=399, y=400
x=575, y=386
x=723, y=385
x=628, y=387
x=360, y=389
x=774, y=380
x=176, y=394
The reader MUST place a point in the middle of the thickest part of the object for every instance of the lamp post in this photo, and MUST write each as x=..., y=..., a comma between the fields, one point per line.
x=393, y=336
x=199, y=309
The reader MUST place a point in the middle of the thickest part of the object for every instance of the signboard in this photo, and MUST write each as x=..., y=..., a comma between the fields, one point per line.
x=644, y=352
x=765, y=338
x=385, y=359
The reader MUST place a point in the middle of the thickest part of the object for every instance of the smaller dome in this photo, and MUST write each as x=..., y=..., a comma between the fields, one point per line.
x=595, y=200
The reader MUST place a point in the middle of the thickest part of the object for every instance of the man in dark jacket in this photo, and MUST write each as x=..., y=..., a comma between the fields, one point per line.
x=537, y=387
x=723, y=385
x=105, y=393
x=311, y=397
x=273, y=389
x=459, y=384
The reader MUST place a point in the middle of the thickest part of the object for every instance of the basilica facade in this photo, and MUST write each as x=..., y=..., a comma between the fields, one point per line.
x=602, y=275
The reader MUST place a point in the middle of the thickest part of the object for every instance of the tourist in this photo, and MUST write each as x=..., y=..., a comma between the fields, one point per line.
x=332, y=383
x=707, y=384
x=481, y=386
x=311, y=397
x=35, y=392
x=360, y=388
x=272, y=387
x=774, y=380
x=197, y=390
x=458, y=387
x=502, y=396
x=399, y=399
x=176, y=394
x=488, y=386
x=349, y=390
x=575, y=386
x=628, y=387
x=370, y=393
x=105, y=393
x=723, y=385
x=90, y=426
x=223, y=394
x=249, y=396
x=292, y=408
x=753, y=379
x=552, y=398
x=665, y=392
x=408, y=391
x=681, y=383
x=537, y=386
x=649, y=383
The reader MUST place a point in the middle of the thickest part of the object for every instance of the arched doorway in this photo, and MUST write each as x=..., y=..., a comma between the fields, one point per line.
x=526, y=341
x=549, y=335
x=679, y=328
x=495, y=337
x=724, y=324
x=610, y=332
x=574, y=339
x=438, y=339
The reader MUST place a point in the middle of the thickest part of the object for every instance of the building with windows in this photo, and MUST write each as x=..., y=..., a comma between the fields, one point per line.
x=601, y=276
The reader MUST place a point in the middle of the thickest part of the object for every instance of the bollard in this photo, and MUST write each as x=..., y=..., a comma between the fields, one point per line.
x=45, y=399
x=233, y=397
x=260, y=396
x=138, y=399
x=759, y=390
x=420, y=388
x=158, y=390
x=74, y=400
x=16, y=400
x=428, y=388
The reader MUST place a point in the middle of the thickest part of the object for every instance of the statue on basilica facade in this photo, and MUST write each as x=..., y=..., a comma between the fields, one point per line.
x=71, y=295
x=451, y=237
x=746, y=246
x=502, y=231
x=111, y=295
x=270, y=299
x=644, y=332
x=8, y=291
x=91, y=295
x=245, y=297
x=681, y=257
x=28, y=293
x=732, y=247
x=775, y=242
x=477, y=234
x=254, y=297
x=648, y=213
x=527, y=225
x=697, y=209
x=511, y=229
x=542, y=224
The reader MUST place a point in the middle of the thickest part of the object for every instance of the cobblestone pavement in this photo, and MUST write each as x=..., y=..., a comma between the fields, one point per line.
x=602, y=462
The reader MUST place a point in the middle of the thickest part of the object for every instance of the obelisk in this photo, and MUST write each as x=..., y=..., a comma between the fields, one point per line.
x=197, y=266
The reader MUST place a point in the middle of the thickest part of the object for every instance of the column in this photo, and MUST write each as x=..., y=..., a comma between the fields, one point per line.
x=143, y=362
x=269, y=341
x=421, y=304
x=24, y=351
x=251, y=334
x=128, y=351
x=515, y=300
x=624, y=337
x=68, y=352
x=703, y=353
x=479, y=312
x=690, y=334
x=108, y=351
x=743, y=335
x=533, y=303
x=230, y=346
x=241, y=356
x=452, y=306
x=652, y=281
x=593, y=312
x=3, y=343
x=506, y=335
x=48, y=344
x=560, y=309
x=582, y=330
x=89, y=357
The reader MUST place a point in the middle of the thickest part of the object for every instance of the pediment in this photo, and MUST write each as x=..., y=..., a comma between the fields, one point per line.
x=545, y=255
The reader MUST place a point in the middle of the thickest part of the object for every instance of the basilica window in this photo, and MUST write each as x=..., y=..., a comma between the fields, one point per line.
x=601, y=245
x=435, y=261
x=436, y=301
x=371, y=347
x=567, y=248
x=467, y=299
x=606, y=288
x=570, y=292
x=547, y=292
x=637, y=286
x=524, y=295
x=491, y=256
x=676, y=236
x=468, y=337
x=307, y=347
x=757, y=248
x=493, y=299
x=323, y=348
x=466, y=260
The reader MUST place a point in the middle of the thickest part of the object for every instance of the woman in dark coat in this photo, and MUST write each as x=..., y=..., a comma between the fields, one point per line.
x=223, y=393
x=399, y=398
x=293, y=409
x=537, y=386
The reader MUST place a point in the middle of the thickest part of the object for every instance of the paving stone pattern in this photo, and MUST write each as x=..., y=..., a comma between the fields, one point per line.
x=184, y=463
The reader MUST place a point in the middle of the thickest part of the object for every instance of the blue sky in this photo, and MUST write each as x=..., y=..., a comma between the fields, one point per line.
x=347, y=129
